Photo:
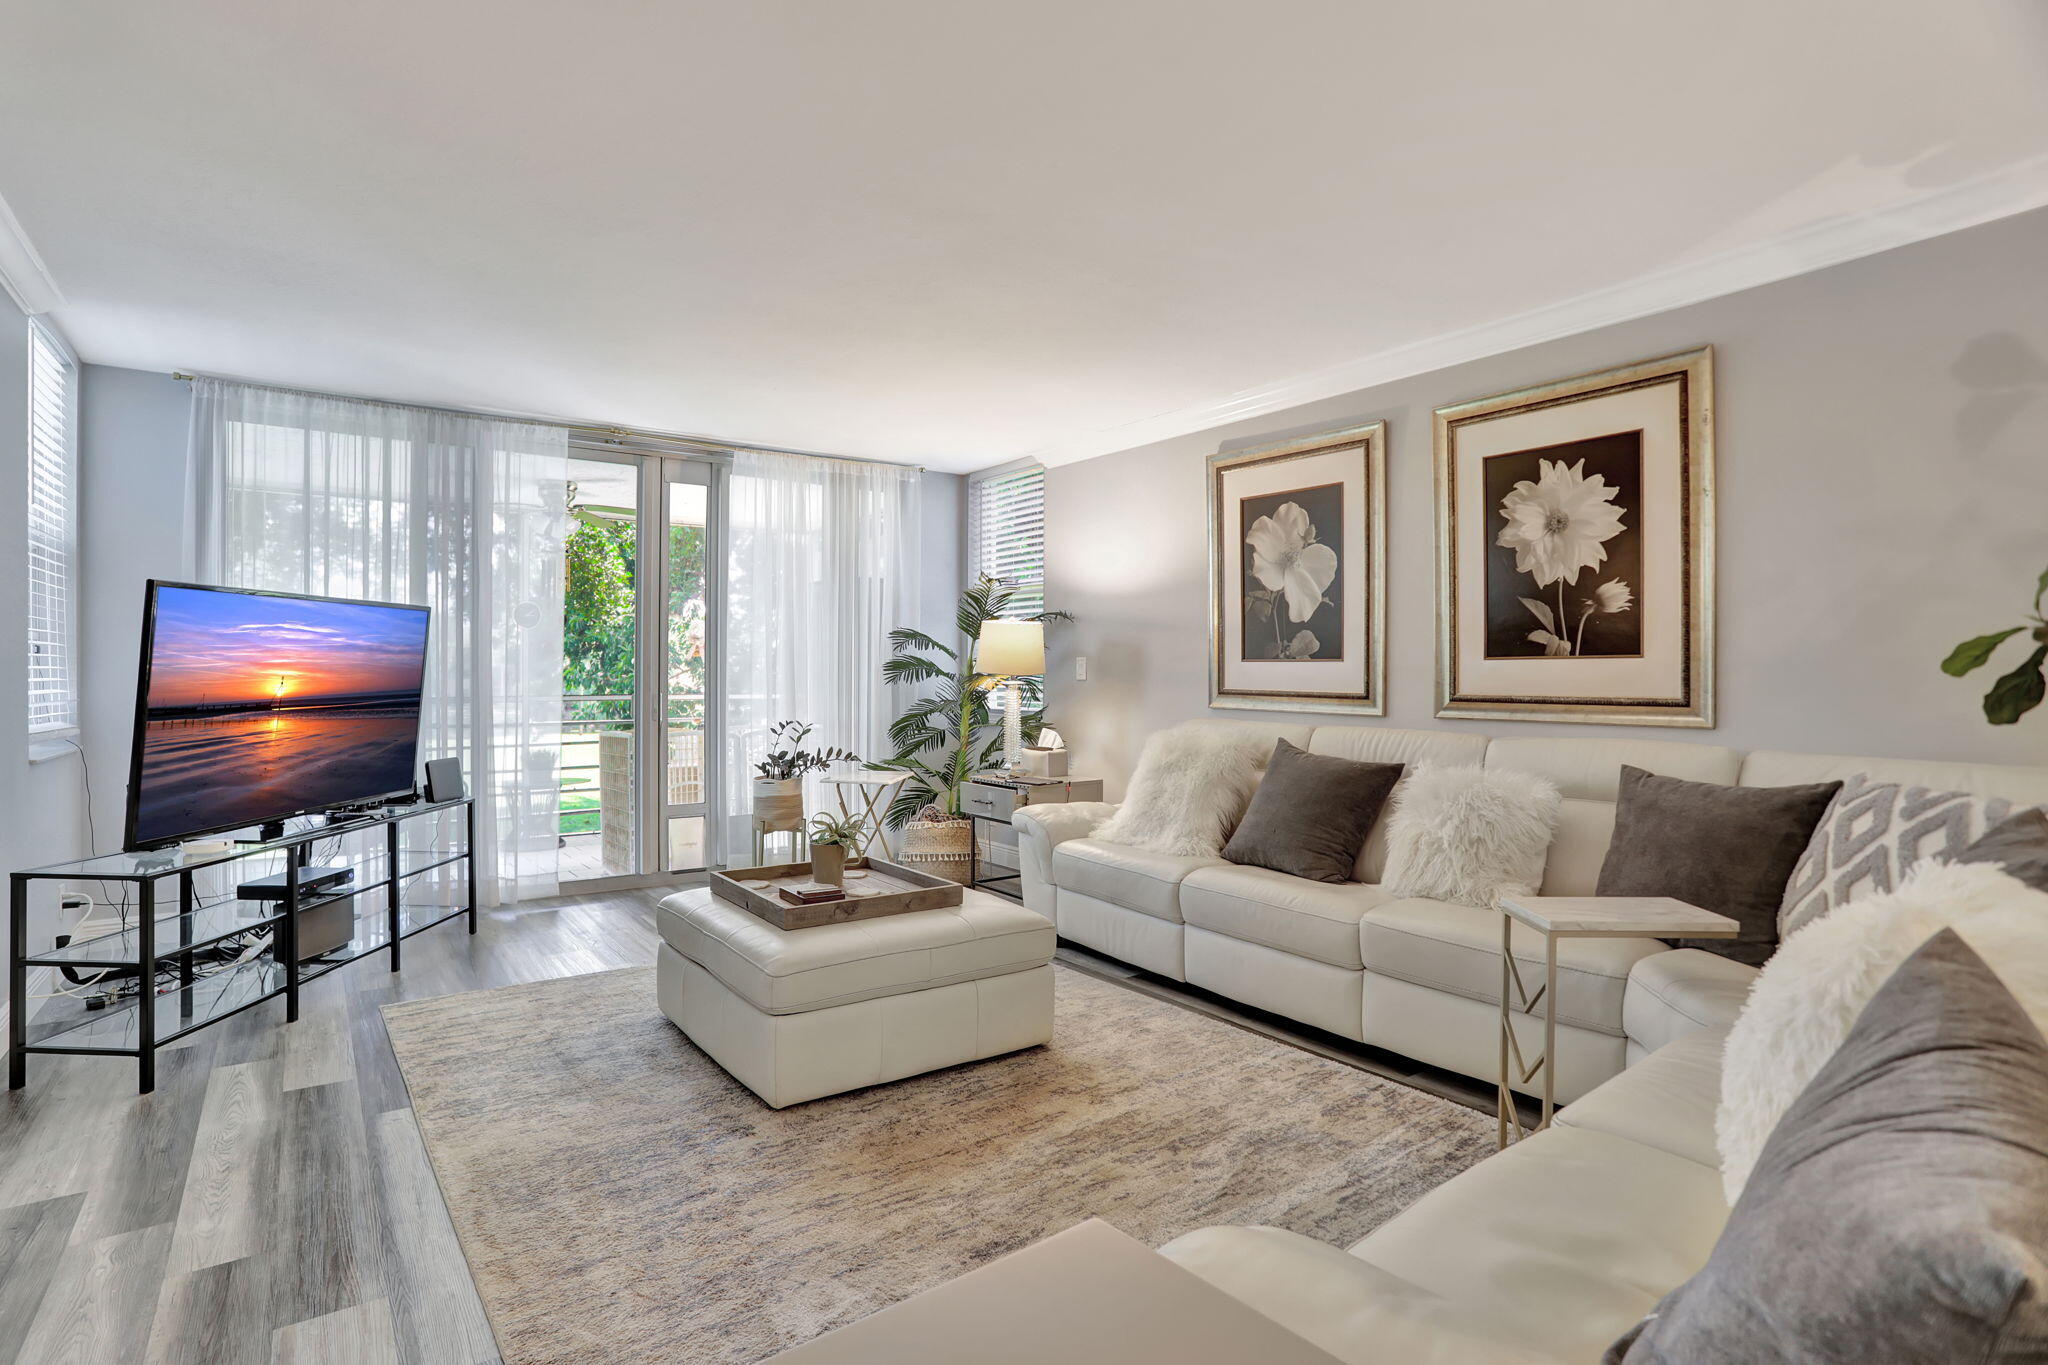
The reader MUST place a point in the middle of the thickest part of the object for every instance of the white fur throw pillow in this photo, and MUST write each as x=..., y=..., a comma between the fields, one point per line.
x=1469, y=835
x=1191, y=788
x=1809, y=994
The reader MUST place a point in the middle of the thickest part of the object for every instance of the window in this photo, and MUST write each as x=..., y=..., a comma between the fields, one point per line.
x=1006, y=531
x=52, y=534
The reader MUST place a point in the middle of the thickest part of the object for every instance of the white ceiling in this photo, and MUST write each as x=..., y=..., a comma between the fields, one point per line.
x=952, y=231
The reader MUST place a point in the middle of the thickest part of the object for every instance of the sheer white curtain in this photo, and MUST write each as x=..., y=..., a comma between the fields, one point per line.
x=823, y=565
x=303, y=492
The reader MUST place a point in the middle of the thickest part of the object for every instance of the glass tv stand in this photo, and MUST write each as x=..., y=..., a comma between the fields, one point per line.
x=189, y=951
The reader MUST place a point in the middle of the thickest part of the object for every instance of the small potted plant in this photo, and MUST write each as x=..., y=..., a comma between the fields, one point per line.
x=779, y=777
x=832, y=837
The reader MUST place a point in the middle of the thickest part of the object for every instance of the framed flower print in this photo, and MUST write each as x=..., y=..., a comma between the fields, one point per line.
x=1575, y=549
x=1297, y=574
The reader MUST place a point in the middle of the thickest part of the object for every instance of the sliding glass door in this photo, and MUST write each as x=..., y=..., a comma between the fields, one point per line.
x=639, y=644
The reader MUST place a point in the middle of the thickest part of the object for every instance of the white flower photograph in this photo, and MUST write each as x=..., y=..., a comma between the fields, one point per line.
x=1293, y=584
x=1298, y=573
x=1575, y=548
x=1565, y=551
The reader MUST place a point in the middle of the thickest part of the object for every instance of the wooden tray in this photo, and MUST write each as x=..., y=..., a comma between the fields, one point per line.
x=887, y=889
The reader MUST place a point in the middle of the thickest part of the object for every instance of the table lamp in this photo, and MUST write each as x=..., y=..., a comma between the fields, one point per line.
x=1012, y=650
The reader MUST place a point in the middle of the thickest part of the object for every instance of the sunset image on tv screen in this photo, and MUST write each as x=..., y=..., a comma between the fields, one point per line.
x=259, y=707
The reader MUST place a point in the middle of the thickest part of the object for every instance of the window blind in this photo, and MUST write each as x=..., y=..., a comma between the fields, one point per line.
x=52, y=535
x=1006, y=531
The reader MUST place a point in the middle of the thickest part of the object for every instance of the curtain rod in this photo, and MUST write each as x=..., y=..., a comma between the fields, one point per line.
x=610, y=432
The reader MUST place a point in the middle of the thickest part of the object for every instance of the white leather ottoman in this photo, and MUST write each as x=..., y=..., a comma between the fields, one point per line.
x=799, y=1014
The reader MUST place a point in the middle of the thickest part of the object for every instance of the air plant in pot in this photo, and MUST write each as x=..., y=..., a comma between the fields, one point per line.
x=833, y=839
x=2021, y=690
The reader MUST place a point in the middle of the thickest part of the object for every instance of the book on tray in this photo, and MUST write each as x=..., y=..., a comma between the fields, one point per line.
x=810, y=893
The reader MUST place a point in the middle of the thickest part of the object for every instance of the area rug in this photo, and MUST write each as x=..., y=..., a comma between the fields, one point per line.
x=619, y=1197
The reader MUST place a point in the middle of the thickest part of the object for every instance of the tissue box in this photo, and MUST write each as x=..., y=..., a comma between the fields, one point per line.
x=1045, y=762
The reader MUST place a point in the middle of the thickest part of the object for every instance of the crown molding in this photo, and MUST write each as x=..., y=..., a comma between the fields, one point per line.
x=22, y=272
x=1816, y=246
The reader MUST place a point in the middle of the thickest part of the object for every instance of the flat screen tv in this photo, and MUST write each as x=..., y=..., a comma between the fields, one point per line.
x=255, y=706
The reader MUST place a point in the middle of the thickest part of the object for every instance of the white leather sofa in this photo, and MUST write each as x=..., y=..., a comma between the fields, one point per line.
x=1422, y=977
x=1549, y=1250
x=1545, y=1252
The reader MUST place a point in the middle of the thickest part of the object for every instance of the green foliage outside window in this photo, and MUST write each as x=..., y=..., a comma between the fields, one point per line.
x=598, y=637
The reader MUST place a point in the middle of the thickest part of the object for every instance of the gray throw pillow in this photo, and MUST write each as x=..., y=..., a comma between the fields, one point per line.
x=1311, y=814
x=2020, y=846
x=1899, y=1210
x=1724, y=849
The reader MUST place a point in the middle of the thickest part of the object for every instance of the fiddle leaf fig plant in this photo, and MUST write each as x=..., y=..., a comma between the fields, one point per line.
x=2021, y=690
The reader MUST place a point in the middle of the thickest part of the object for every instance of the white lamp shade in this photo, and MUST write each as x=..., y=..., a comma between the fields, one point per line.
x=1011, y=647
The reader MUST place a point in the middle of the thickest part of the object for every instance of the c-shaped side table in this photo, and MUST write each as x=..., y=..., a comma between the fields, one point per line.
x=1557, y=917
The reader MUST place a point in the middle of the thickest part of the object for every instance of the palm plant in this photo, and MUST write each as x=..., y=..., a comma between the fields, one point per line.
x=949, y=734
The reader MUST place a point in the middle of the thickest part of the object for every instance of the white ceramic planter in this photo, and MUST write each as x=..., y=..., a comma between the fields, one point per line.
x=779, y=804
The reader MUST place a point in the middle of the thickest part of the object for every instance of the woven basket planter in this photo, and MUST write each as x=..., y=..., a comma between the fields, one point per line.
x=941, y=847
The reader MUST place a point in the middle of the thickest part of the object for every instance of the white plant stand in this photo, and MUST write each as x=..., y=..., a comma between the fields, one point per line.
x=872, y=791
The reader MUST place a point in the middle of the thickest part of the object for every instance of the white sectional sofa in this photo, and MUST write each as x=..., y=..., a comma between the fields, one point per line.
x=1422, y=977
x=1549, y=1250
x=1545, y=1252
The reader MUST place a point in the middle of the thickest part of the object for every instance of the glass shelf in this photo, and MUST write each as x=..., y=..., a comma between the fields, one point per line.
x=66, y=1023
x=220, y=919
x=373, y=935
x=169, y=862
x=209, y=925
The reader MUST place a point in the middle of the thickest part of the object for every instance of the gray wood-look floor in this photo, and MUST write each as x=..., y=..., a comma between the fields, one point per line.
x=272, y=1202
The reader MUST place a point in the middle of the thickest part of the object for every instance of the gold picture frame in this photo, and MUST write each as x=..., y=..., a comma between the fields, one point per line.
x=1316, y=503
x=1575, y=549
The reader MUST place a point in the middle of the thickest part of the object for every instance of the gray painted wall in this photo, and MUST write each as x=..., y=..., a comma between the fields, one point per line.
x=1883, y=493
x=135, y=525
x=42, y=805
x=943, y=530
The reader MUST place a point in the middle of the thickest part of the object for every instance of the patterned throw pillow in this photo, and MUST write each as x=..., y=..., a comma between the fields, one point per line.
x=1872, y=836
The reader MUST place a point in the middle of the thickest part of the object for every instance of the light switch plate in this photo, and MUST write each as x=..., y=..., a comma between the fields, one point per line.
x=1080, y=668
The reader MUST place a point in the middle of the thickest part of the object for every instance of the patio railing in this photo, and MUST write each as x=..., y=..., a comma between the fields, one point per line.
x=596, y=767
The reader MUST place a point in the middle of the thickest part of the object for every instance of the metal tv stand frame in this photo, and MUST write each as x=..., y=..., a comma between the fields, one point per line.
x=176, y=997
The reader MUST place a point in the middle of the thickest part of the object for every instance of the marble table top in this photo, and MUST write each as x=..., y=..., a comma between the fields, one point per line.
x=1618, y=917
